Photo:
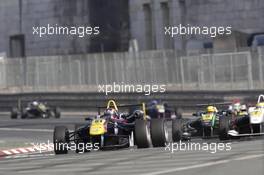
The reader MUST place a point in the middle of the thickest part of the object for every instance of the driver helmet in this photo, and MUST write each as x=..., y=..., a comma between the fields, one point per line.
x=230, y=108
x=165, y=105
x=260, y=105
x=237, y=106
x=153, y=102
x=110, y=112
x=35, y=103
x=211, y=109
x=243, y=108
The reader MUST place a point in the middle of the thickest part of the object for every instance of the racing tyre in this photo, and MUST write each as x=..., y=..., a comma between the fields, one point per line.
x=207, y=132
x=24, y=114
x=176, y=130
x=159, y=132
x=14, y=113
x=57, y=112
x=223, y=128
x=142, y=134
x=178, y=113
x=60, y=140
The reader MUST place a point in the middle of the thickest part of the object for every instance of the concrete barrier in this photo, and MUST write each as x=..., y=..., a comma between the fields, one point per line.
x=84, y=101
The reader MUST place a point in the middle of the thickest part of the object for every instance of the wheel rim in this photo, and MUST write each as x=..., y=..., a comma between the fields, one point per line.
x=148, y=134
x=102, y=141
x=131, y=140
x=166, y=132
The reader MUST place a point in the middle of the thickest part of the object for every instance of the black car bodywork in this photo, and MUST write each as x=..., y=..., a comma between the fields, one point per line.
x=158, y=109
x=103, y=132
x=35, y=110
x=216, y=125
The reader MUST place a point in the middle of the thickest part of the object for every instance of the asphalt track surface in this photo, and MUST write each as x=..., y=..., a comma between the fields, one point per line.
x=245, y=158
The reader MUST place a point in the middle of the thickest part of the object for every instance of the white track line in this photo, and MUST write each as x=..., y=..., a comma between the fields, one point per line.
x=201, y=165
x=249, y=157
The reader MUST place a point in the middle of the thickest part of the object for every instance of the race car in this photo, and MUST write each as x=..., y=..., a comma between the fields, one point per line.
x=112, y=130
x=251, y=123
x=207, y=124
x=35, y=109
x=155, y=109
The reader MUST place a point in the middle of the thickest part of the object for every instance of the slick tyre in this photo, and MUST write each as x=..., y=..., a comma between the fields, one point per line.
x=207, y=132
x=159, y=132
x=176, y=130
x=61, y=140
x=178, y=113
x=142, y=134
x=24, y=114
x=57, y=112
x=14, y=113
x=223, y=128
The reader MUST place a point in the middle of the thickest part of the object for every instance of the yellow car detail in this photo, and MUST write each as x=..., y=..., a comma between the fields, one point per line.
x=97, y=127
x=207, y=117
x=256, y=113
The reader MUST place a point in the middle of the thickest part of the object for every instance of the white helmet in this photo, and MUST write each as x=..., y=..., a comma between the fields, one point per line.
x=237, y=107
x=35, y=103
x=243, y=108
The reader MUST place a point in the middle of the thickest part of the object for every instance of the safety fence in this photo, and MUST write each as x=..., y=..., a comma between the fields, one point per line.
x=218, y=71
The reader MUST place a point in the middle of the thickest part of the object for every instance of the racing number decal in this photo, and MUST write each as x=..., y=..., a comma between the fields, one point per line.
x=97, y=127
x=207, y=117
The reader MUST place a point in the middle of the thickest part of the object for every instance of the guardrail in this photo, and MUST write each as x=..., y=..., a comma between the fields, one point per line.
x=81, y=101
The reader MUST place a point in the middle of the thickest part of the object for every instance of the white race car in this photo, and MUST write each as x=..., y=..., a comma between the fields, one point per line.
x=251, y=124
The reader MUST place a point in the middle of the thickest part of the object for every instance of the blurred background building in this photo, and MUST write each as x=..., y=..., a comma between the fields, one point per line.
x=17, y=17
x=148, y=18
x=123, y=23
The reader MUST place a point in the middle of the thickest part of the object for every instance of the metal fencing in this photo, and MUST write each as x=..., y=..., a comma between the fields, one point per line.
x=218, y=71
